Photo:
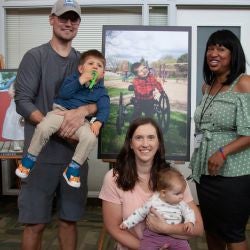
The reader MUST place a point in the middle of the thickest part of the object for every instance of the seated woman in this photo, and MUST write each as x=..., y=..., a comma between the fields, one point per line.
x=133, y=181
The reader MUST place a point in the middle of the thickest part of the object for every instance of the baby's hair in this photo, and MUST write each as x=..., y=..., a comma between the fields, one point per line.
x=167, y=177
x=94, y=53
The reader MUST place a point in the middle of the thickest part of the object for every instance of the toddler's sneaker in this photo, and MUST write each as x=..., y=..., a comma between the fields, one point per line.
x=22, y=172
x=72, y=176
x=24, y=168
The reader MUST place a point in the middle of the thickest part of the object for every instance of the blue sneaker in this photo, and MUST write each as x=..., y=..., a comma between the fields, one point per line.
x=22, y=172
x=24, y=168
x=72, y=176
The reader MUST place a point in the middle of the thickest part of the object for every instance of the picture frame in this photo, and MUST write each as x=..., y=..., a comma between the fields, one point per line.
x=11, y=128
x=165, y=53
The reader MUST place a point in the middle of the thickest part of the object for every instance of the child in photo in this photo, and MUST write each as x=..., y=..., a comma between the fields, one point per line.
x=144, y=85
x=12, y=124
x=76, y=90
x=168, y=202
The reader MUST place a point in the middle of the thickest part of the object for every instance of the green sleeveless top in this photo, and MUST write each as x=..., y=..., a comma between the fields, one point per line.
x=225, y=118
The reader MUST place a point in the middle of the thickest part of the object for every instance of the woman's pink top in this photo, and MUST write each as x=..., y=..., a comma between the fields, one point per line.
x=129, y=200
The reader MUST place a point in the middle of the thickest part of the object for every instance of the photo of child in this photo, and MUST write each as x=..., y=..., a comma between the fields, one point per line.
x=13, y=128
x=148, y=75
x=11, y=123
x=144, y=84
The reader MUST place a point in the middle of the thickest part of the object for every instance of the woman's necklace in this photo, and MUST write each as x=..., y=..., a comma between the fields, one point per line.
x=204, y=108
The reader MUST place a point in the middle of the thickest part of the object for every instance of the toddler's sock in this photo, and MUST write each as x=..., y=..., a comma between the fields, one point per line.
x=74, y=168
x=29, y=160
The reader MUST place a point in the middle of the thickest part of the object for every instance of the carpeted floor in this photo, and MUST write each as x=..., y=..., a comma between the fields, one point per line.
x=10, y=230
x=89, y=229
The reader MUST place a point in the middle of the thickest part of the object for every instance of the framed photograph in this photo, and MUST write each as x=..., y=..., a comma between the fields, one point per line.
x=148, y=74
x=11, y=126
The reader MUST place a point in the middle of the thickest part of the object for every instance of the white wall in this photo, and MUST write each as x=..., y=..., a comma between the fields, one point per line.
x=97, y=170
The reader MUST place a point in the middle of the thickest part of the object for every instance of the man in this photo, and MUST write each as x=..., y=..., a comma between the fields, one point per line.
x=39, y=77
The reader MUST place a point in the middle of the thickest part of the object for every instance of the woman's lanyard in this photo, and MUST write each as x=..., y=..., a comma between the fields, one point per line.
x=204, y=108
x=199, y=135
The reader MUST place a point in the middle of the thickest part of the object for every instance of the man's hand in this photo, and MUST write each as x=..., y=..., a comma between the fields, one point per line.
x=95, y=127
x=36, y=117
x=73, y=119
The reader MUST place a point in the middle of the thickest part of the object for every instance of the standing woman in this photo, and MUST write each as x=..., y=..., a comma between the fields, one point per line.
x=221, y=160
x=132, y=182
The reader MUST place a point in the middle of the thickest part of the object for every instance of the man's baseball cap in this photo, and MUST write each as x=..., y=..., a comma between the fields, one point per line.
x=63, y=6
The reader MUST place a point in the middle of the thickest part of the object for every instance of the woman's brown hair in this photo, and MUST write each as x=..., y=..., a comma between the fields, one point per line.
x=125, y=167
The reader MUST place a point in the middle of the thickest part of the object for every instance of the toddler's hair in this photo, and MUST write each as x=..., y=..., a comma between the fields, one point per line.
x=94, y=53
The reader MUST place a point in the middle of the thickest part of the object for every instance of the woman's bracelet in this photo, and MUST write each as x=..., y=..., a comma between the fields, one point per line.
x=222, y=153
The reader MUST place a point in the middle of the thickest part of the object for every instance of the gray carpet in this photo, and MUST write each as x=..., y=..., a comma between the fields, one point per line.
x=10, y=230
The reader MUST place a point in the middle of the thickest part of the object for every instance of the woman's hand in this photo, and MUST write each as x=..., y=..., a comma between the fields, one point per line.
x=155, y=222
x=215, y=162
x=188, y=227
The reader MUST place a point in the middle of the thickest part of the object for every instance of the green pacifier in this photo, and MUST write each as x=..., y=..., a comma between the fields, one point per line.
x=92, y=82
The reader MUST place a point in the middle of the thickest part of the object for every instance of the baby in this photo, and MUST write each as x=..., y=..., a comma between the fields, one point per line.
x=168, y=201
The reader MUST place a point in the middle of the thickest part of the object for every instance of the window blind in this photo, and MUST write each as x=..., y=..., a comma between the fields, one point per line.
x=158, y=15
x=27, y=28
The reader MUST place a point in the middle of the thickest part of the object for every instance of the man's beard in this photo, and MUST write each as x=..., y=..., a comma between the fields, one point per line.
x=64, y=39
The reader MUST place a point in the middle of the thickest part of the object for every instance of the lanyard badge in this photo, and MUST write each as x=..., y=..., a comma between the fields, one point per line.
x=197, y=139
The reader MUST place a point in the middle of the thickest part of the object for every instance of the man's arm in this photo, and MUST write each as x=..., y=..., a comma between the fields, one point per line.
x=36, y=117
x=26, y=86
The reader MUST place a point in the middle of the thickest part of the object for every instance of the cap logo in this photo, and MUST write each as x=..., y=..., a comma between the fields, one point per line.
x=69, y=3
x=62, y=6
